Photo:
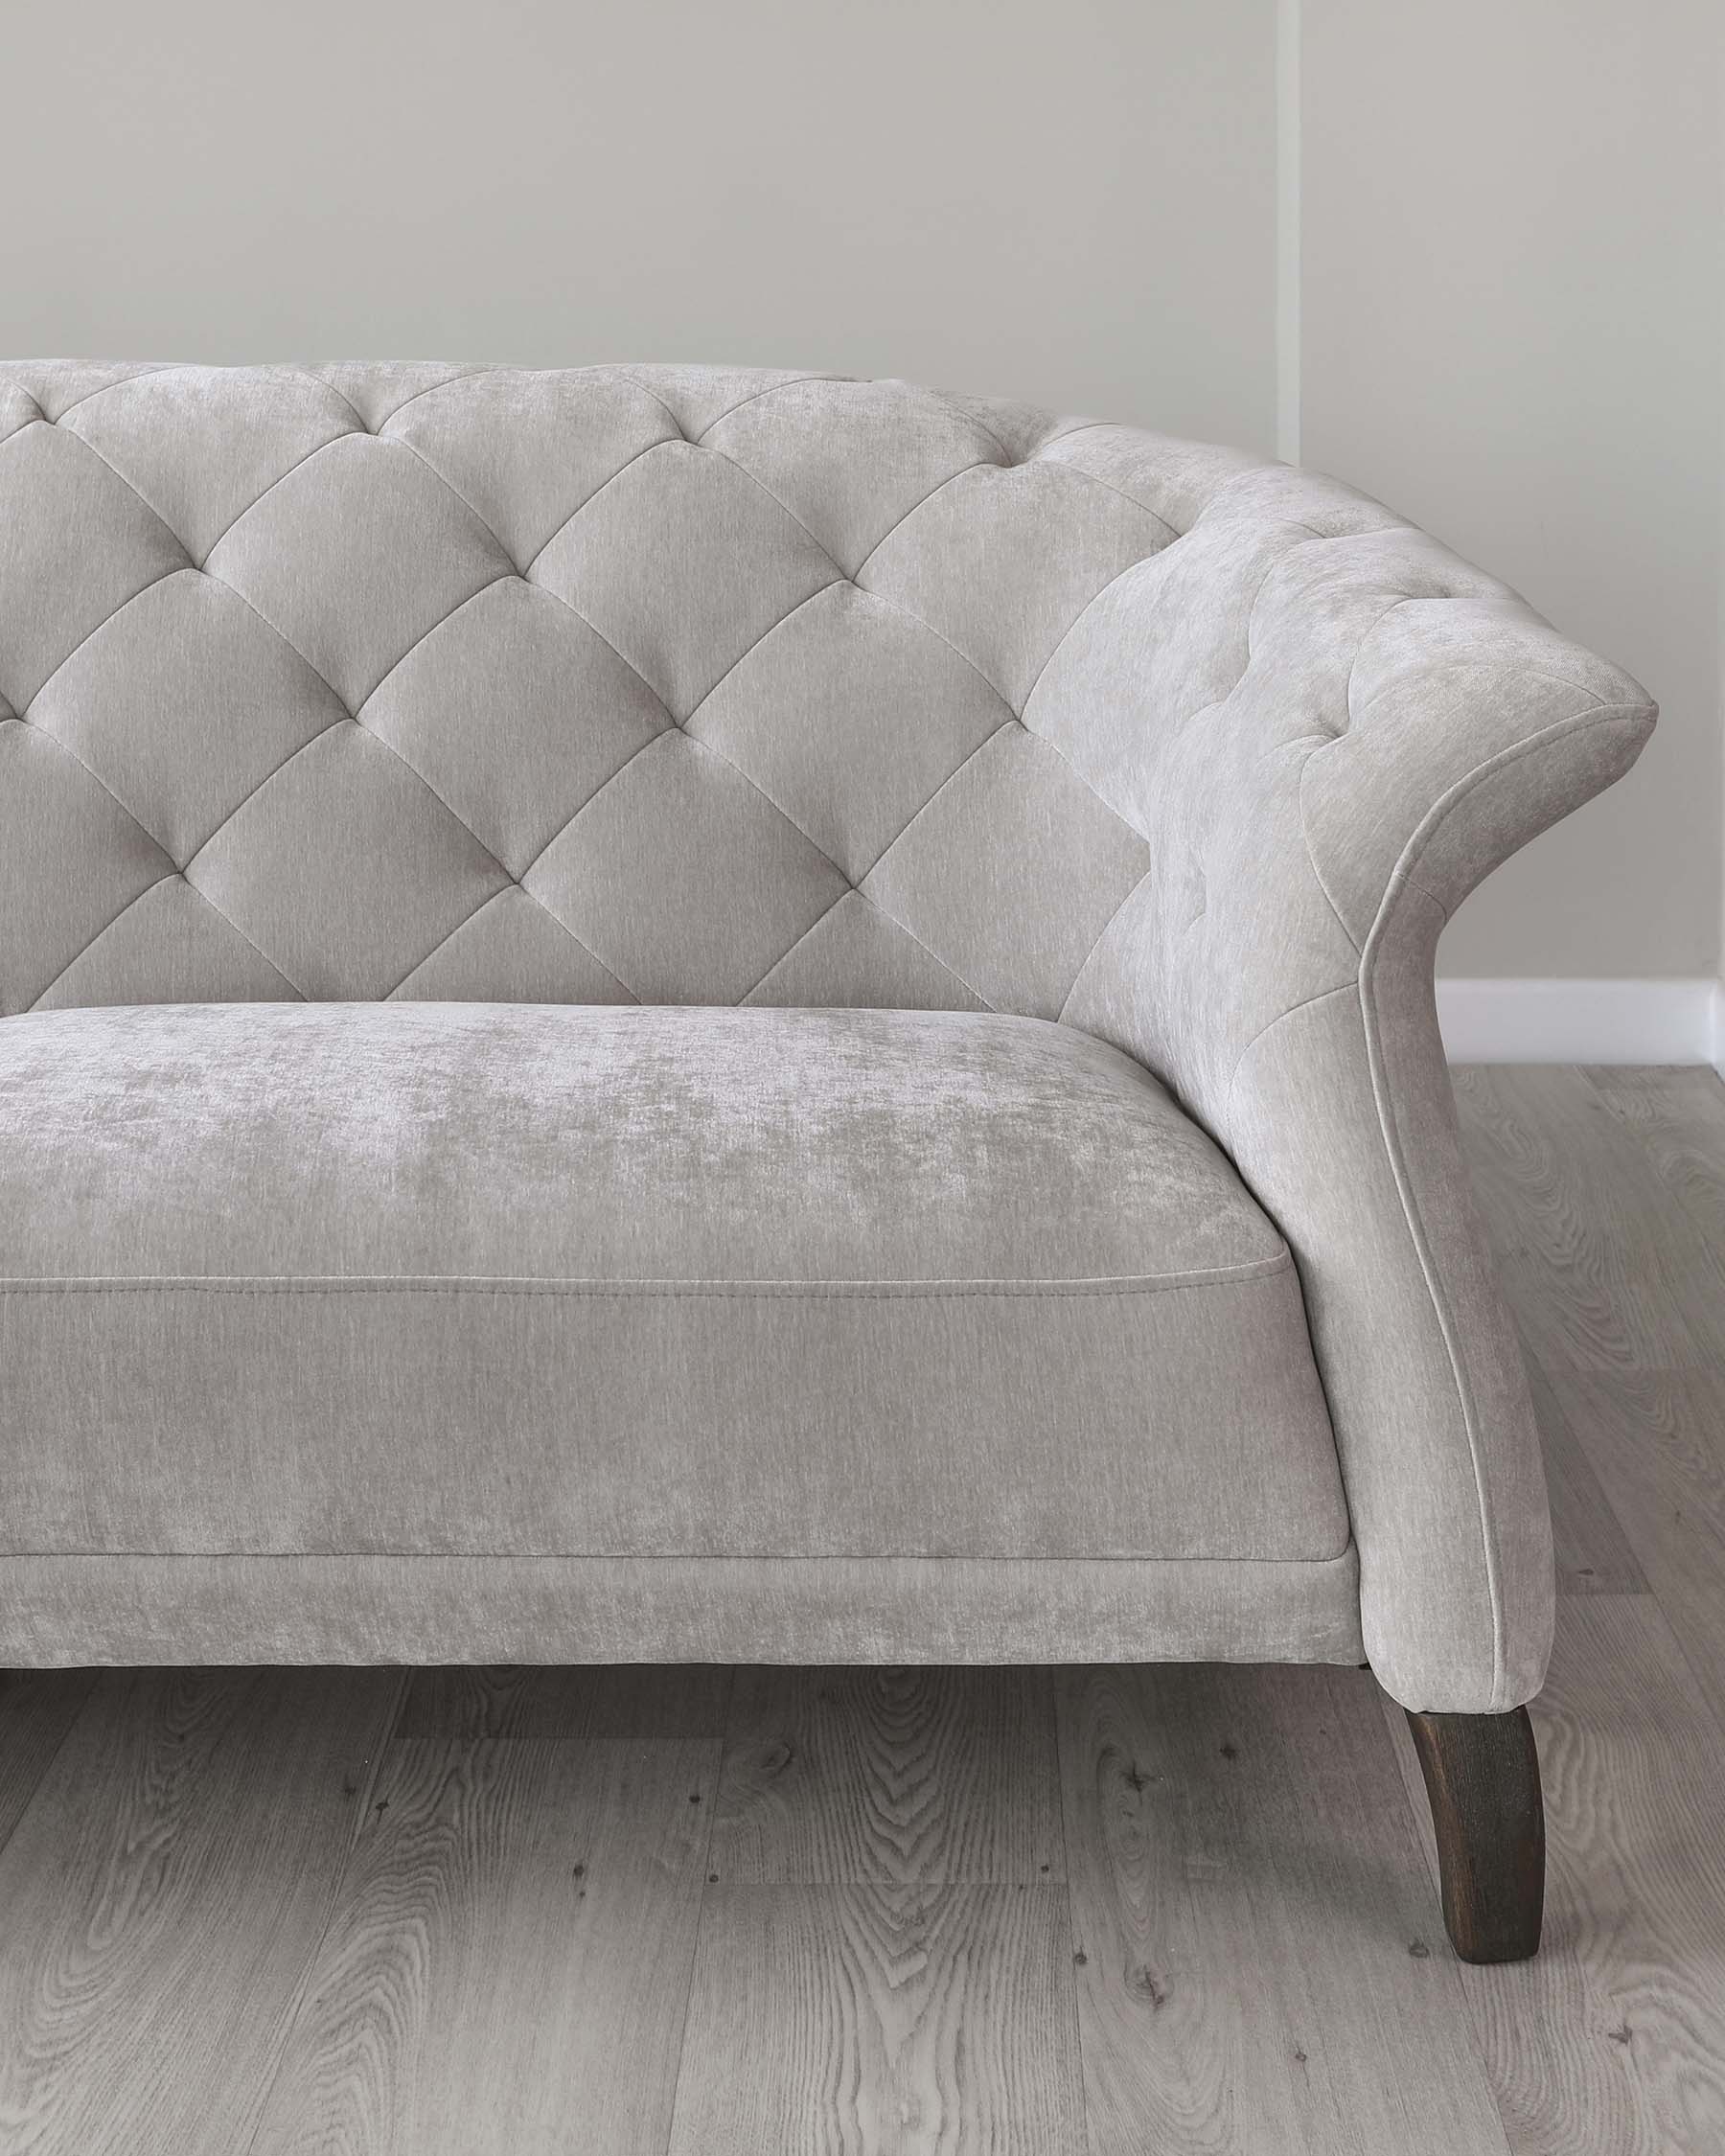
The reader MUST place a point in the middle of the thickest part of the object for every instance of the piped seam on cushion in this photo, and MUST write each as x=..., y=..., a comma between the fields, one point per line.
x=1258, y=1268
x=671, y=1557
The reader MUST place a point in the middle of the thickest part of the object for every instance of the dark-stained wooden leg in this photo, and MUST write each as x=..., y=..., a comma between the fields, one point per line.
x=1481, y=1772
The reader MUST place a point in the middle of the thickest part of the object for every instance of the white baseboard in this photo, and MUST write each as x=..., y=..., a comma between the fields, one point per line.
x=1583, y=1020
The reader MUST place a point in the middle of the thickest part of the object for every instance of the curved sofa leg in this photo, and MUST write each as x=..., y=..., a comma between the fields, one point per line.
x=1482, y=1774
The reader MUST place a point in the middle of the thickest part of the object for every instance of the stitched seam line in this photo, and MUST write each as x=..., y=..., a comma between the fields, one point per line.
x=1442, y=1310
x=31, y=702
x=1097, y=479
x=91, y=942
x=1415, y=848
x=432, y=388
x=454, y=493
x=983, y=464
x=568, y=824
x=237, y=931
x=407, y=765
x=1138, y=884
x=1215, y=703
x=749, y=650
x=796, y=943
x=1043, y=741
x=526, y=576
x=882, y=598
x=400, y=441
x=1305, y=840
x=754, y=397
x=887, y=914
x=979, y=464
x=544, y=547
x=562, y=928
x=622, y=658
x=341, y=394
x=826, y=1291
x=496, y=1557
x=1371, y=630
x=487, y=373
x=719, y=757
x=875, y=906
x=1305, y=1003
x=343, y=719
x=1008, y=459
x=238, y=515
x=1005, y=727
x=162, y=367
x=462, y=824
x=1470, y=666
x=755, y=787
x=443, y=620
x=96, y=779
x=898, y=606
x=1415, y=884
x=1066, y=635
x=646, y=390
x=317, y=672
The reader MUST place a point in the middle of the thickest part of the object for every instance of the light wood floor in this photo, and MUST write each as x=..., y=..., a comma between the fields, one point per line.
x=1086, y=1912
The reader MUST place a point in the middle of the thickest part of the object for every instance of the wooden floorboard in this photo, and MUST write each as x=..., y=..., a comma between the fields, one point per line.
x=1262, y=1966
x=163, y=1896
x=1612, y=2042
x=1657, y=1440
x=1593, y=1553
x=827, y=2020
x=1602, y=1272
x=907, y=1777
x=619, y=1700
x=37, y=1707
x=1121, y=1913
x=1677, y=1116
x=509, y=1968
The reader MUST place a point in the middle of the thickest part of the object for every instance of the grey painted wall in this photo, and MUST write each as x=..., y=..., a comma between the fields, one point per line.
x=1071, y=203
x=1512, y=289
x=1508, y=221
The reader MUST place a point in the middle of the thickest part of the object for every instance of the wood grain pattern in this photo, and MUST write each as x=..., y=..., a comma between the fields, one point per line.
x=164, y=1893
x=1676, y=1111
x=1564, y=1188
x=911, y=1776
x=881, y=2021
x=37, y=1707
x=1677, y=1120
x=1613, y=2041
x=1592, y=1552
x=1676, y=1117
x=1260, y=1969
x=509, y=1968
x=1658, y=1440
x=605, y=1699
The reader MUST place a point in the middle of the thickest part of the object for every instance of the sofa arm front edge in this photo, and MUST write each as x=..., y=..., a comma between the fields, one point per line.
x=1401, y=723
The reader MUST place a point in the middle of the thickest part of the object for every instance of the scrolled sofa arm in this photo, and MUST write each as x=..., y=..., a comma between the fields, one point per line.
x=1329, y=728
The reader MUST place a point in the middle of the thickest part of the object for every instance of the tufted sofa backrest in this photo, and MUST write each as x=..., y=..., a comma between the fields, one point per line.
x=677, y=684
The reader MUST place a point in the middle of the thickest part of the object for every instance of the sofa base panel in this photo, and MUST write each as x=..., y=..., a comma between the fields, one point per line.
x=62, y=1611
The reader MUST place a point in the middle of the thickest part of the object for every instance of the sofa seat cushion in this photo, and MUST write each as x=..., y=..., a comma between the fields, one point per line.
x=465, y=1279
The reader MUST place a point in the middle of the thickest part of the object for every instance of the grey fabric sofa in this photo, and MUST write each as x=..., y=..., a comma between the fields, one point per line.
x=673, y=1013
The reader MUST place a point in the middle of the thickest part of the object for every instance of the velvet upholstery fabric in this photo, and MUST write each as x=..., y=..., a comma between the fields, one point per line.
x=439, y=1278
x=69, y=1612
x=713, y=686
